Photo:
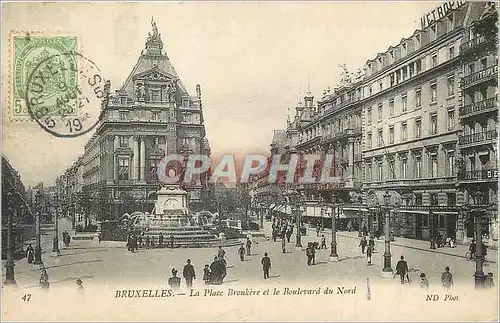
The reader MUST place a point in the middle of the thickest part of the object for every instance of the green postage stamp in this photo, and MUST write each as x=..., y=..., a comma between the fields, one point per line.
x=28, y=51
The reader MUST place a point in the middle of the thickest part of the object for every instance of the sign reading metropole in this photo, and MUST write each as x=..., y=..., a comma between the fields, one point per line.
x=174, y=169
x=439, y=12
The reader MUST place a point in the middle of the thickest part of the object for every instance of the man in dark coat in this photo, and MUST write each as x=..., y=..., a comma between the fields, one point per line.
x=289, y=231
x=283, y=244
x=369, y=252
x=189, y=274
x=309, y=253
x=363, y=244
x=402, y=269
x=266, y=265
x=160, y=240
x=172, y=241
x=249, y=246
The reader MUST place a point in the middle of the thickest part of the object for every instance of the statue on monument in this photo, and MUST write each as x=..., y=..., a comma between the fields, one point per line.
x=155, y=34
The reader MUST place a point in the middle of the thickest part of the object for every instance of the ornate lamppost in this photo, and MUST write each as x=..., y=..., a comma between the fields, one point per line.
x=9, y=265
x=38, y=247
x=479, y=276
x=332, y=210
x=387, y=270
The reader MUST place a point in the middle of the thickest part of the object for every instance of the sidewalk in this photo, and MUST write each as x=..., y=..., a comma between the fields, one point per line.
x=458, y=251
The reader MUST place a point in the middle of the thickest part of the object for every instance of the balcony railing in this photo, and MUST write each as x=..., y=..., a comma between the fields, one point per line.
x=411, y=182
x=478, y=138
x=481, y=106
x=474, y=44
x=480, y=175
x=480, y=76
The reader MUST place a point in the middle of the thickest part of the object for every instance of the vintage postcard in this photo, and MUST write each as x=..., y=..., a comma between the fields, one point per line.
x=250, y=161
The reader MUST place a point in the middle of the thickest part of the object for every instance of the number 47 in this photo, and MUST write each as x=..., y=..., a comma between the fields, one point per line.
x=26, y=297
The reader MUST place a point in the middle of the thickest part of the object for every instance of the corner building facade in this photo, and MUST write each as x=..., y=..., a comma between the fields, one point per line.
x=418, y=121
x=152, y=113
x=478, y=117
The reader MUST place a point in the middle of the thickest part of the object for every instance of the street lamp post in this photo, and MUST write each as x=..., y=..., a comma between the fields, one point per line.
x=387, y=270
x=294, y=200
x=432, y=229
x=55, y=240
x=333, y=247
x=479, y=276
x=9, y=265
x=298, y=244
x=38, y=247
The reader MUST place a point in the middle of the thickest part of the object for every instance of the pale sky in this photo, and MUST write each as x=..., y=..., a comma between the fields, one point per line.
x=250, y=59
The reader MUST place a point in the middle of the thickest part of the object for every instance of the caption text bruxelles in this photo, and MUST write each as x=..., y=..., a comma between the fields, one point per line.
x=210, y=292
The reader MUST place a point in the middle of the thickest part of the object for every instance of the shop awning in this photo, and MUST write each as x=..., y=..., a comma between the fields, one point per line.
x=284, y=209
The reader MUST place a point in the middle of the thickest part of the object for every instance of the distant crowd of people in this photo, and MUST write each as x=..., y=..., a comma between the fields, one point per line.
x=134, y=242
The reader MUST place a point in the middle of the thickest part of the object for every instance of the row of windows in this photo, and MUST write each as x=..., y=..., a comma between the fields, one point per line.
x=433, y=130
x=401, y=172
x=125, y=140
x=433, y=86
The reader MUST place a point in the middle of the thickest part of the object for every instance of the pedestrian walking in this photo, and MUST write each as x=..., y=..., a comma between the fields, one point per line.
x=363, y=244
x=160, y=240
x=402, y=269
x=222, y=270
x=66, y=239
x=135, y=246
x=214, y=267
x=266, y=265
x=174, y=282
x=172, y=241
x=424, y=283
x=139, y=240
x=241, y=252
x=289, y=231
x=489, y=283
x=221, y=252
x=369, y=252
x=30, y=254
x=309, y=253
x=371, y=243
x=317, y=231
x=206, y=274
x=249, y=246
x=189, y=274
x=472, y=249
x=44, y=280
x=323, y=242
x=447, y=278
x=283, y=244
x=79, y=284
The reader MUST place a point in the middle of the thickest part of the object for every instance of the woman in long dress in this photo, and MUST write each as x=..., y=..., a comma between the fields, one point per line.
x=30, y=254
